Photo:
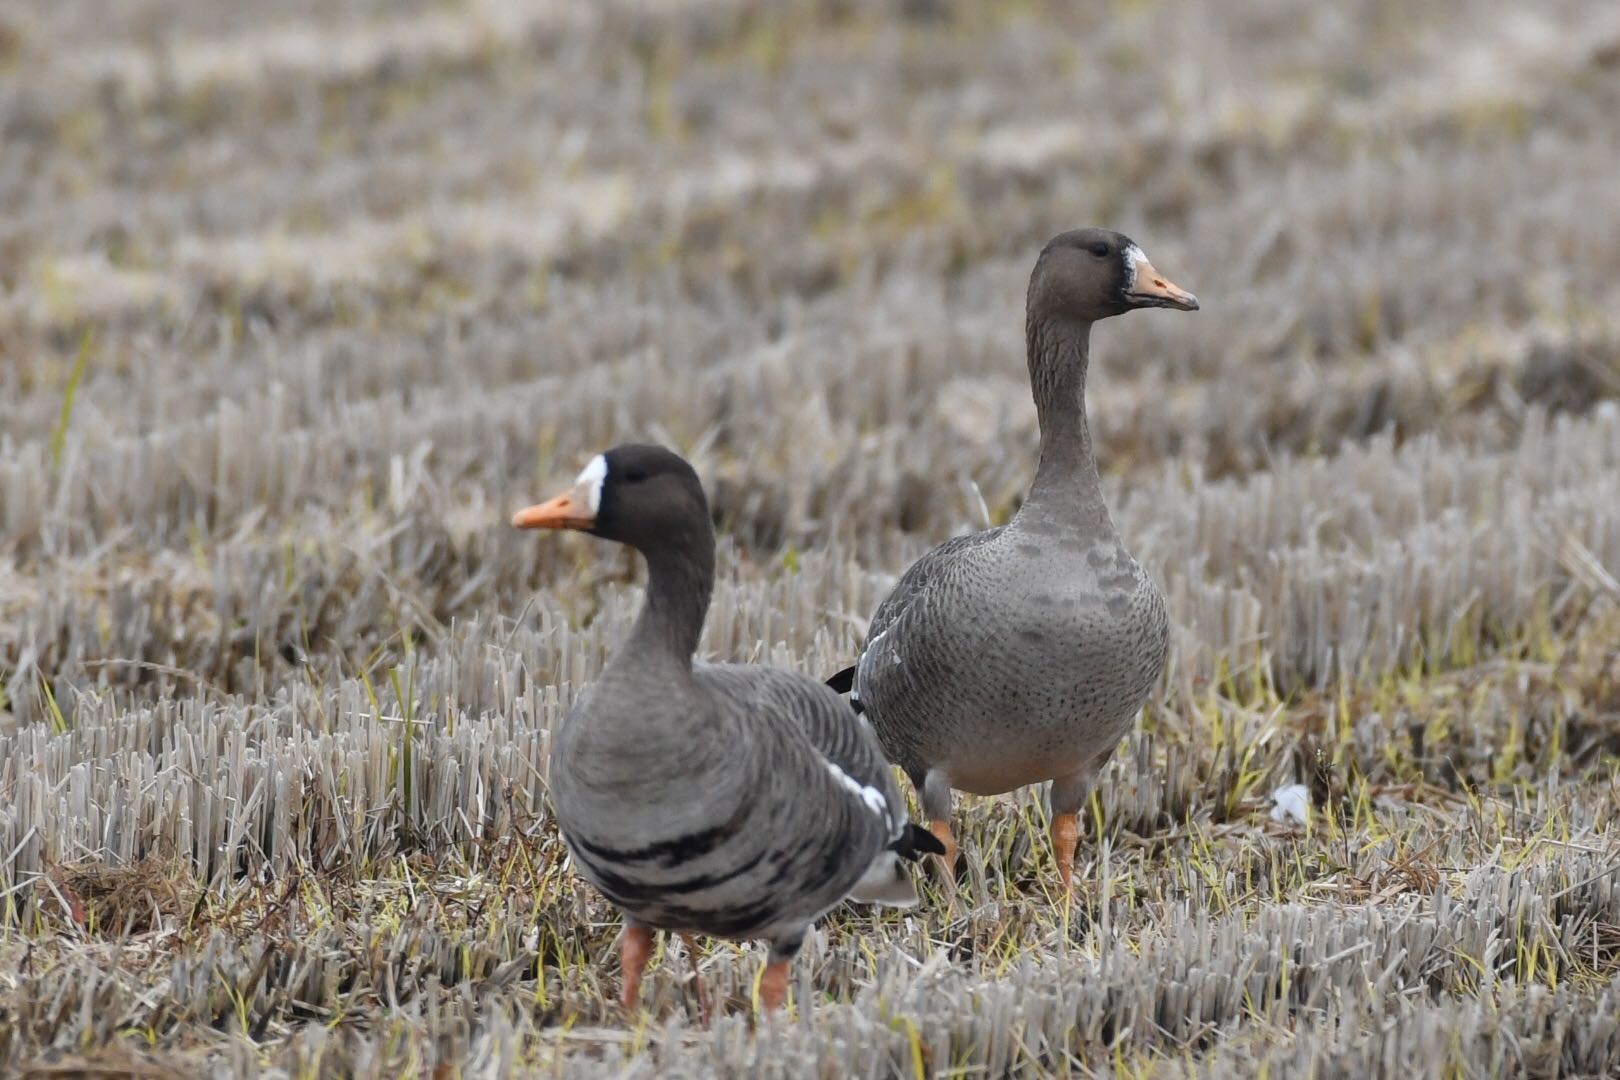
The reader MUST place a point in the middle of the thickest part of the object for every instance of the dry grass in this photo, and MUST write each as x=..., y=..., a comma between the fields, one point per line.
x=294, y=310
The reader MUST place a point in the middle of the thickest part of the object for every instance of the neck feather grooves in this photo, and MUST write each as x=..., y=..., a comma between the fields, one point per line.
x=1066, y=485
x=680, y=581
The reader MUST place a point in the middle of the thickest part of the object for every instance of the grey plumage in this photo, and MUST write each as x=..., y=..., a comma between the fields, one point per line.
x=1020, y=654
x=706, y=802
x=731, y=800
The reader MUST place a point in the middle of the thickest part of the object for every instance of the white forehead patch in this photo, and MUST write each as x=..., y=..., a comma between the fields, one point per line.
x=590, y=478
x=1135, y=260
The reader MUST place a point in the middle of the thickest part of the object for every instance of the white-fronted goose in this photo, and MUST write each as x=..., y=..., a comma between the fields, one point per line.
x=723, y=799
x=1021, y=654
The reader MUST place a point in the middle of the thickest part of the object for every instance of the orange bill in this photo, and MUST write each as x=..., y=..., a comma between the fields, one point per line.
x=570, y=510
x=1153, y=289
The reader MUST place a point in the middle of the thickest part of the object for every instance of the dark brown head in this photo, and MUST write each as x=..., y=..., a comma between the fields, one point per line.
x=1091, y=274
x=644, y=496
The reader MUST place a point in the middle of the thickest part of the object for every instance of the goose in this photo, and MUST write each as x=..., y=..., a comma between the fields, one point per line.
x=1020, y=655
x=735, y=801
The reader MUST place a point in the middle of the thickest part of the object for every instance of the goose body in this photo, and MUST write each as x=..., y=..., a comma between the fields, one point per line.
x=1066, y=638
x=1021, y=654
x=738, y=802
x=730, y=800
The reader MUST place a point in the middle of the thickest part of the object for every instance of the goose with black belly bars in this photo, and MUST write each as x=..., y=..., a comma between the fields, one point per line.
x=731, y=800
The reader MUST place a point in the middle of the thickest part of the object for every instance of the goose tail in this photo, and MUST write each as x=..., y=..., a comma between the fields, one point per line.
x=914, y=842
x=886, y=882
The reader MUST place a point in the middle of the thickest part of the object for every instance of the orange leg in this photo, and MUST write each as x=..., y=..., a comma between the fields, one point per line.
x=773, y=985
x=942, y=832
x=634, y=951
x=1065, y=834
x=697, y=979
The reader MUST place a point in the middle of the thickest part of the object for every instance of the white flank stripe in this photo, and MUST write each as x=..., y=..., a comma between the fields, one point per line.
x=871, y=796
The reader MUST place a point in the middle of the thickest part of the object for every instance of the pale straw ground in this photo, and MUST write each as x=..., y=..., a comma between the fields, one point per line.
x=297, y=305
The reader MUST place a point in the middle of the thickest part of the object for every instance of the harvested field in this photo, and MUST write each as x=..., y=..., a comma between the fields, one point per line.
x=296, y=306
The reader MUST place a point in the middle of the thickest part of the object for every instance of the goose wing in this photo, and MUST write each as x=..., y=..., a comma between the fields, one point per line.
x=915, y=585
x=814, y=737
x=829, y=786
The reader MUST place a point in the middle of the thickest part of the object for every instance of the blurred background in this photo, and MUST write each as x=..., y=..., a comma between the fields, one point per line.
x=275, y=279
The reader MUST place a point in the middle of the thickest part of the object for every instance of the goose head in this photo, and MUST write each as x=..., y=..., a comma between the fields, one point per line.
x=641, y=495
x=1090, y=274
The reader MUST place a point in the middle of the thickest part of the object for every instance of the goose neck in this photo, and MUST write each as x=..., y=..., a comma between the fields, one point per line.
x=1066, y=481
x=680, y=582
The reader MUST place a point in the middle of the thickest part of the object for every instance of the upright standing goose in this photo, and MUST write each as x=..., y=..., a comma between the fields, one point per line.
x=1021, y=654
x=723, y=799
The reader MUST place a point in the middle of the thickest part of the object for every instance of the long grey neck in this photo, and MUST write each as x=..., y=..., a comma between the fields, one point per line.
x=680, y=580
x=643, y=728
x=1067, y=488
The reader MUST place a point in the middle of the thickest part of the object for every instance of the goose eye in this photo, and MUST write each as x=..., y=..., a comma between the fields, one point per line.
x=635, y=476
x=1098, y=248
